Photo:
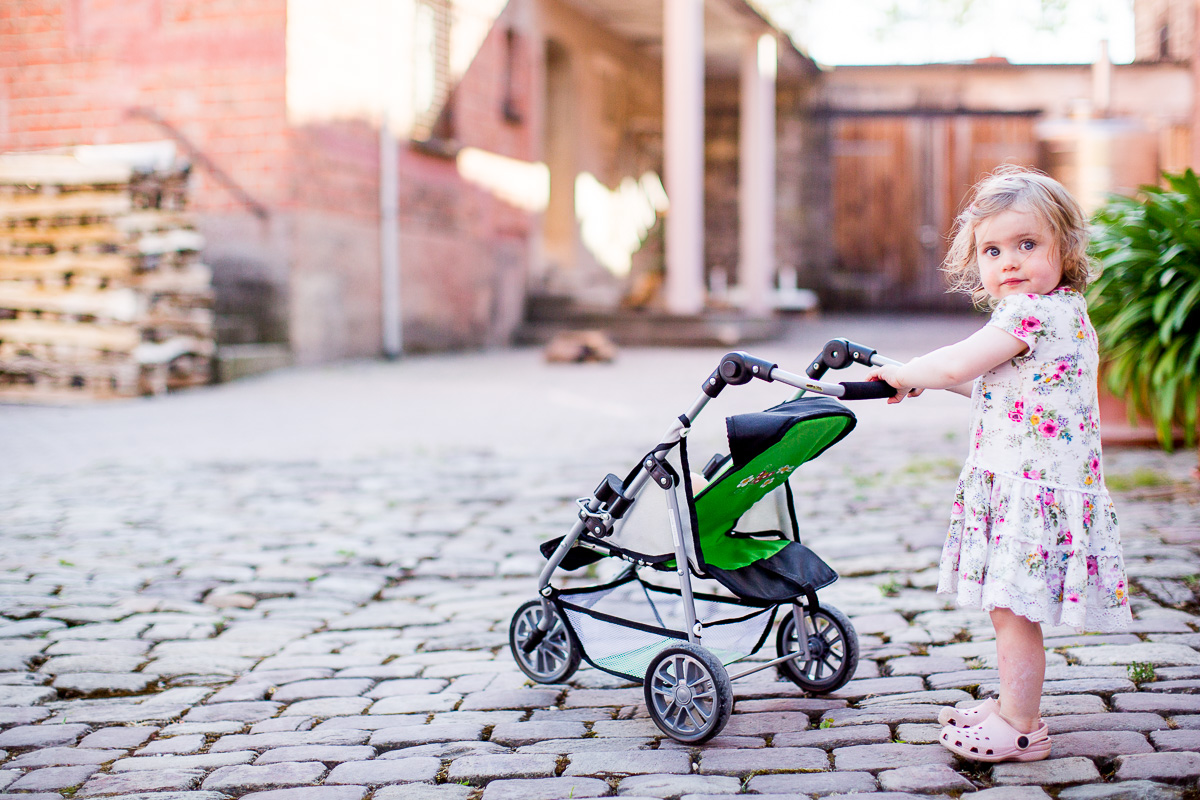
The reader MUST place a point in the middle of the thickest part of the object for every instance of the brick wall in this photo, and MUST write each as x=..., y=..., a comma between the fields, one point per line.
x=80, y=72
x=74, y=70
x=465, y=253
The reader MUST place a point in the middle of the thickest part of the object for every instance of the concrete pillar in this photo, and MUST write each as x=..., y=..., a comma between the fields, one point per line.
x=756, y=179
x=683, y=153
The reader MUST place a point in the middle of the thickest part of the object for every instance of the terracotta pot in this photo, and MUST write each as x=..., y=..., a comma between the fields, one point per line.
x=1115, y=428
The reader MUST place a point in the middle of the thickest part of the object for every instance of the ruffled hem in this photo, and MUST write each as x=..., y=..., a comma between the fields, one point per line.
x=1050, y=554
x=1092, y=619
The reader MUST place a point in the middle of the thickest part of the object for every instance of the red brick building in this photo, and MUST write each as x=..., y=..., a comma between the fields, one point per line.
x=278, y=105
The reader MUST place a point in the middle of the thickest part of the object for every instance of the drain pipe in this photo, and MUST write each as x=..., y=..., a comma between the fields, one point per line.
x=389, y=239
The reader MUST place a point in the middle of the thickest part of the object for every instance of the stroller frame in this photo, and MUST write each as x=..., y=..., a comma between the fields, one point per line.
x=687, y=687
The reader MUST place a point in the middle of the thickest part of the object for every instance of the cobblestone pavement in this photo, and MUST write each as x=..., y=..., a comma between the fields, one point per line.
x=298, y=587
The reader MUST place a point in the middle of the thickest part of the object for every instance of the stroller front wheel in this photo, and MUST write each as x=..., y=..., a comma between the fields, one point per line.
x=688, y=693
x=554, y=657
x=832, y=650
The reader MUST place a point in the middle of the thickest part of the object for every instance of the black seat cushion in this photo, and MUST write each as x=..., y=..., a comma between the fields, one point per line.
x=792, y=572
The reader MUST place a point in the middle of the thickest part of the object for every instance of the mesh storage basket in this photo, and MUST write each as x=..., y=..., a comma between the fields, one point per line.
x=621, y=626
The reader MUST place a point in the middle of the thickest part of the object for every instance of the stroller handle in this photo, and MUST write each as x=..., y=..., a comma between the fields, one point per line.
x=738, y=368
x=866, y=390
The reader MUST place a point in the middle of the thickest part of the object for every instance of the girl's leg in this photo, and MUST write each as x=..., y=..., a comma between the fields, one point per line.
x=1022, y=668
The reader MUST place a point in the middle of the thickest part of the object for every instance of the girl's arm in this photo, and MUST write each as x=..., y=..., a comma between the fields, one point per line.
x=954, y=366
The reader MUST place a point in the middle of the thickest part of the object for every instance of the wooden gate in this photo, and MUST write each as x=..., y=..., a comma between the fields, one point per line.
x=898, y=181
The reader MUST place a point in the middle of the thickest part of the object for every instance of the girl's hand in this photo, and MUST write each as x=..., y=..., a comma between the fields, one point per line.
x=891, y=376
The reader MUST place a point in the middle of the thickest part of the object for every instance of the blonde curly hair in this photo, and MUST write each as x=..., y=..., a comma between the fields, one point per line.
x=1012, y=186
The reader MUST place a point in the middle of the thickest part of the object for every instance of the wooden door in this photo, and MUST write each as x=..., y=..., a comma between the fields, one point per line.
x=898, y=181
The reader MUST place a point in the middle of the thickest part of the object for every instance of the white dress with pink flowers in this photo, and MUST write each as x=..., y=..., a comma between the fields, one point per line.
x=1033, y=528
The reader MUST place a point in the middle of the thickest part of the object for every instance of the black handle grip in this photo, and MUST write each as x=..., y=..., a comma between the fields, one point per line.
x=867, y=390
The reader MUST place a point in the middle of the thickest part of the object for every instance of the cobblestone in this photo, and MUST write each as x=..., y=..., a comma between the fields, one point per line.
x=678, y=785
x=1100, y=744
x=378, y=772
x=1051, y=772
x=483, y=768
x=310, y=793
x=817, y=783
x=320, y=612
x=770, y=759
x=1170, y=767
x=243, y=779
x=924, y=778
x=1127, y=790
x=52, y=779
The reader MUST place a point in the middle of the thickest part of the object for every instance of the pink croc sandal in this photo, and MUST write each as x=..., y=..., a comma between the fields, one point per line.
x=994, y=739
x=966, y=717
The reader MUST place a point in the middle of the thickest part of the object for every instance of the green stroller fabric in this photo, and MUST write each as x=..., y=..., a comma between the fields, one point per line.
x=765, y=448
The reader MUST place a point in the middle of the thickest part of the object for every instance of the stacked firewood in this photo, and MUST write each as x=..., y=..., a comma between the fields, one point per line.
x=102, y=293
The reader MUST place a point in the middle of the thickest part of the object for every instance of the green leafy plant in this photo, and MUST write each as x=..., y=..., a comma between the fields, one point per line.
x=1145, y=303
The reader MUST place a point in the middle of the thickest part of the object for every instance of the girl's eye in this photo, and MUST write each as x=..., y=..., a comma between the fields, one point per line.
x=991, y=251
x=1027, y=245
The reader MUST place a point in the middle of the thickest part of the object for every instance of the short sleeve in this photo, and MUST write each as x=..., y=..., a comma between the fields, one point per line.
x=1022, y=316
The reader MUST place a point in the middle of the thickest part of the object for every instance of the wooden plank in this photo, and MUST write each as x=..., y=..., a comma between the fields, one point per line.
x=154, y=220
x=168, y=351
x=191, y=279
x=54, y=267
x=121, y=305
x=59, y=354
x=33, y=381
x=65, y=204
x=54, y=396
x=173, y=241
x=60, y=170
x=91, y=337
x=65, y=236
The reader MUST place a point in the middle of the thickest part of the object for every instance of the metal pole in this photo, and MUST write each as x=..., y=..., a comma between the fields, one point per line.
x=389, y=239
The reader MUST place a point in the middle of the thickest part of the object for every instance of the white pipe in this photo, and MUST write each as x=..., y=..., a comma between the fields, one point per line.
x=389, y=239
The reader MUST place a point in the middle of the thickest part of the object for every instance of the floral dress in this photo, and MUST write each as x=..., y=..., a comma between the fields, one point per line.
x=1033, y=528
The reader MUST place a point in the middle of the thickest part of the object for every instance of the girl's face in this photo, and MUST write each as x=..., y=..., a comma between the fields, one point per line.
x=1017, y=254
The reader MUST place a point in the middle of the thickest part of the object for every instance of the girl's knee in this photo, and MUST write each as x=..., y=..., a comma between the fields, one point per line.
x=1007, y=618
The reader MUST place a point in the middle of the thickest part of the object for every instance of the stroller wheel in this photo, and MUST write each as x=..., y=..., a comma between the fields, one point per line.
x=554, y=657
x=688, y=693
x=832, y=649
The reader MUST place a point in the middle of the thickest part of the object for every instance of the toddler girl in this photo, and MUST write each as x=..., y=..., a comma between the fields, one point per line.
x=1033, y=536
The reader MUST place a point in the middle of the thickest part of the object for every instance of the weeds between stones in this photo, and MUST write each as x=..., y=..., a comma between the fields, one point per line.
x=1140, y=478
x=1141, y=672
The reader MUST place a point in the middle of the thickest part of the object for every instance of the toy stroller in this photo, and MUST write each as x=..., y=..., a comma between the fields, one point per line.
x=676, y=642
